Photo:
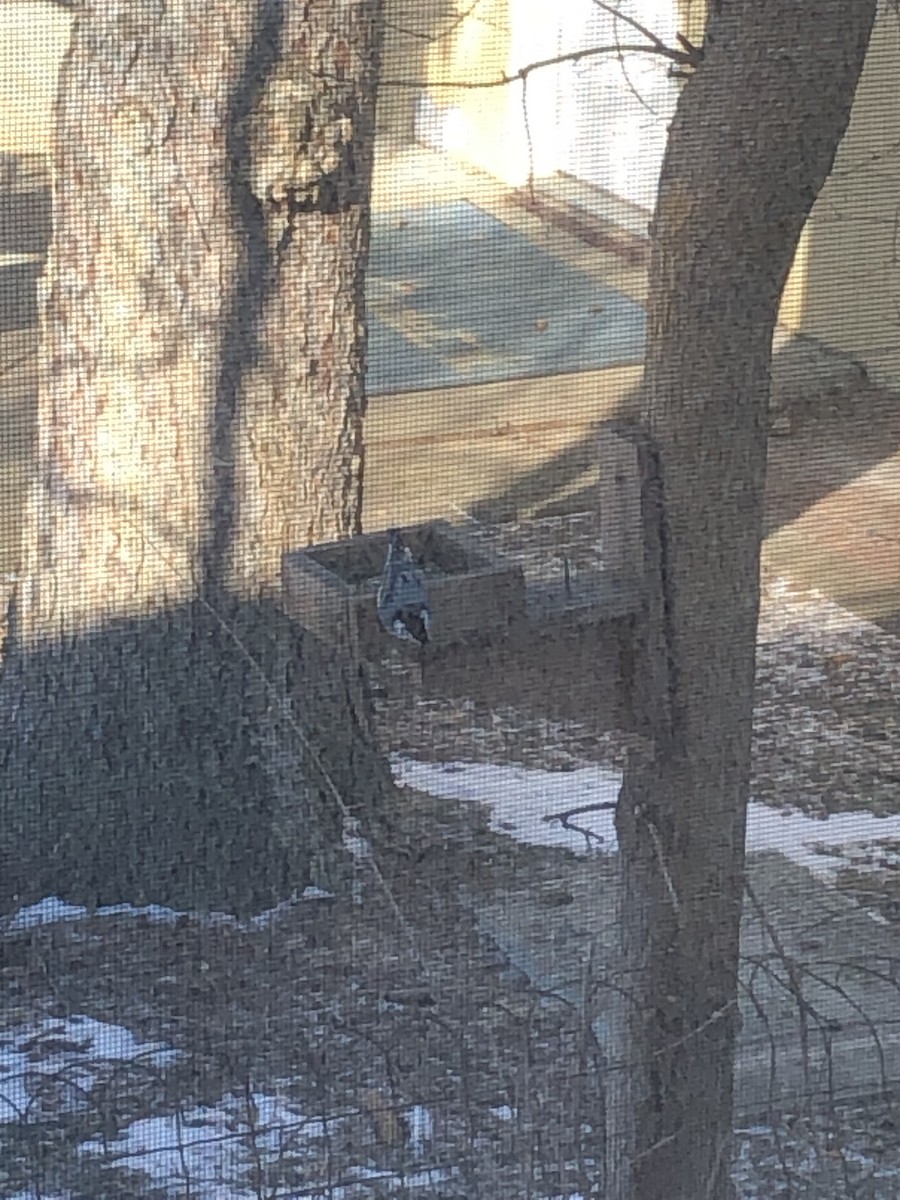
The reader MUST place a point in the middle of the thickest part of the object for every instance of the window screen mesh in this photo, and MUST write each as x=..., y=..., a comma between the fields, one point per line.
x=387, y=963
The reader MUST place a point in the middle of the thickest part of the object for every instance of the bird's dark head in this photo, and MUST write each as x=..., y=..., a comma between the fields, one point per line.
x=414, y=625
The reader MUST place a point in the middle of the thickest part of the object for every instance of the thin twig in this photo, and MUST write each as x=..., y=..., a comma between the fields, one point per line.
x=661, y=858
x=431, y=38
x=600, y=806
x=616, y=12
x=677, y=56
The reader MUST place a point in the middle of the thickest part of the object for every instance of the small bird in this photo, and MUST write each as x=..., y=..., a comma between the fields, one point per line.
x=402, y=599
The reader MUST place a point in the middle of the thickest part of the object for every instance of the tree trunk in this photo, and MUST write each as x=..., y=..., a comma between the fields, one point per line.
x=751, y=145
x=304, y=142
x=168, y=735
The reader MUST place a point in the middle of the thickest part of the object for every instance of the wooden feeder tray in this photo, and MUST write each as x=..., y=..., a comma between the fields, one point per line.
x=330, y=588
x=559, y=648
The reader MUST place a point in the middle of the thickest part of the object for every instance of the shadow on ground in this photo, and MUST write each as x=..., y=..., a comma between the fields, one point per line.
x=831, y=428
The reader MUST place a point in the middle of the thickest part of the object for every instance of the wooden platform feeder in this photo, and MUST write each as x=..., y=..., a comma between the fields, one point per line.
x=561, y=648
x=330, y=589
x=572, y=656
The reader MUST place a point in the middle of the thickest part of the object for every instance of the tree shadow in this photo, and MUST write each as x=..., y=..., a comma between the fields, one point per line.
x=254, y=283
x=189, y=759
x=840, y=427
x=567, y=482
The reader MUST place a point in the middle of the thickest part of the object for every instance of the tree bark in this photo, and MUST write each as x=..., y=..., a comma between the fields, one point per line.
x=304, y=139
x=751, y=145
x=166, y=733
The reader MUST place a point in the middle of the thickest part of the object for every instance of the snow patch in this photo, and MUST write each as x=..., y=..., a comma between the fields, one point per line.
x=49, y=1067
x=521, y=799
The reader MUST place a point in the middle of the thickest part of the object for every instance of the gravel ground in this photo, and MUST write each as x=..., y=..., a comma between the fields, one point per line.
x=848, y=1152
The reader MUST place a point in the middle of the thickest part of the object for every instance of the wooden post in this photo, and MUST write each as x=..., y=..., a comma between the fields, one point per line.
x=620, y=506
x=622, y=541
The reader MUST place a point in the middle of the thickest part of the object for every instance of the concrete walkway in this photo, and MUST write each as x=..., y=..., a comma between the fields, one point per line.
x=527, y=447
x=820, y=983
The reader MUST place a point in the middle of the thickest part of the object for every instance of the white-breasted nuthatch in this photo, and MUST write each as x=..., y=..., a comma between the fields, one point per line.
x=402, y=599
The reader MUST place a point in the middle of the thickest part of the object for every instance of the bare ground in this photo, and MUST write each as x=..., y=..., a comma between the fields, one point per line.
x=351, y=1013
x=354, y=1014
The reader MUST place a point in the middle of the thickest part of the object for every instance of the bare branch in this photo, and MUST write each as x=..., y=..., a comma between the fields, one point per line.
x=677, y=56
x=435, y=37
x=600, y=806
x=614, y=11
x=622, y=66
x=565, y=820
x=694, y=53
